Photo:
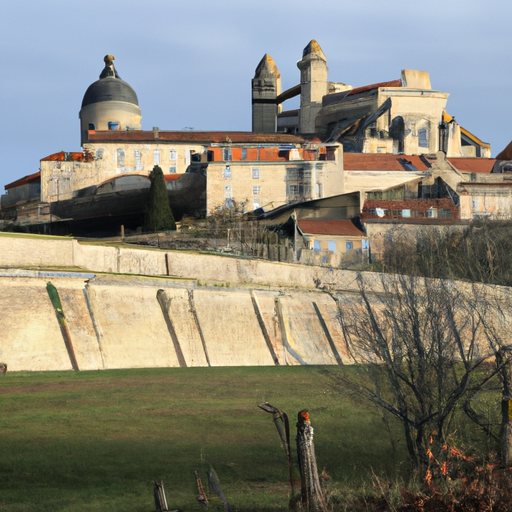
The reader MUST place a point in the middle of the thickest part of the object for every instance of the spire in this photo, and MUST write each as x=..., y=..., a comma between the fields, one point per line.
x=109, y=69
x=313, y=47
x=266, y=68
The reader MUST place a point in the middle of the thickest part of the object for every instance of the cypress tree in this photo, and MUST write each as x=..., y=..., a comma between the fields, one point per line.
x=158, y=216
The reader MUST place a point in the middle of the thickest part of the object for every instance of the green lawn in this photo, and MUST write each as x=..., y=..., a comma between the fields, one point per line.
x=92, y=441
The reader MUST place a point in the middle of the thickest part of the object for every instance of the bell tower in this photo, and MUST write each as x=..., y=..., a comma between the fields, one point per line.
x=313, y=81
x=266, y=87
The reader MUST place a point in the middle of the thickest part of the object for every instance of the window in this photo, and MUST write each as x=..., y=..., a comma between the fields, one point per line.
x=156, y=157
x=113, y=125
x=120, y=157
x=365, y=244
x=406, y=213
x=91, y=126
x=332, y=245
x=445, y=214
x=316, y=245
x=255, y=174
x=226, y=172
x=226, y=154
x=172, y=155
x=422, y=138
x=244, y=153
x=349, y=245
x=227, y=194
x=138, y=164
x=292, y=191
x=255, y=190
x=255, y=203
x=172, y=169
x=99, y=153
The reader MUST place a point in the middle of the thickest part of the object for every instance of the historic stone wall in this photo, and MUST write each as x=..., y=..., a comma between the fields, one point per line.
x=131, y=322
x=118, y=307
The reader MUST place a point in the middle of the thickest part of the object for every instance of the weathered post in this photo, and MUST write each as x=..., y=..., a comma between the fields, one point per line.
x=311, y=492
x=159, y=495
x=283, y=428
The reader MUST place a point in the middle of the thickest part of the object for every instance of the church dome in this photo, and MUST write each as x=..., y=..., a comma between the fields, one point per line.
x=109, y=104
x=109, y=87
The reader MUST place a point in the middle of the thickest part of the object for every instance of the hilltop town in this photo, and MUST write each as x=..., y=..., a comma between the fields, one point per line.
x=357, y=197
x=331, y=178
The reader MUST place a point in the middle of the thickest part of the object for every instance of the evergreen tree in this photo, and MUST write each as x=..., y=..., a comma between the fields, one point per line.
x=159, y=216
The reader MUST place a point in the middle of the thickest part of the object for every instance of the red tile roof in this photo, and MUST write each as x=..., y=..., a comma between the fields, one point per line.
x=171, y=177
x=63, y=156
x=380, y=162
x=23, y=181
x=193, y=136
x=392, y=83
x=472, y=164
x=329, y=227
x=418, y=205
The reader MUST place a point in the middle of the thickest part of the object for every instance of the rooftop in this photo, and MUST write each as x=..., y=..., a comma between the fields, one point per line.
x=329, y=227
x=383, y=162
x=392, y=83
x=199, y=137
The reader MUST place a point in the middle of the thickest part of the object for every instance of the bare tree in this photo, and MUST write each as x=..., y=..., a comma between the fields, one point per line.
x=478, y=252
x=423, y=341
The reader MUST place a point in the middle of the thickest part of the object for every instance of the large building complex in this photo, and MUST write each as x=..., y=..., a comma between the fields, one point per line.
x=387, y=141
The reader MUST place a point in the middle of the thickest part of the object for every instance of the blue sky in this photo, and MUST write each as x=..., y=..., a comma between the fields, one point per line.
x=191, y=63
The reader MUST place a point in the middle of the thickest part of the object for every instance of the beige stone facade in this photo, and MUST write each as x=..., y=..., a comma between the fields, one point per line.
x=269, y=184
x=487, y=200
x=110, y=159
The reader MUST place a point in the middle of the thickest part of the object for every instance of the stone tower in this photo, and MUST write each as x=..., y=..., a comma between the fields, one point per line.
x=109, y=104
x=266, y=87
x=313, y=81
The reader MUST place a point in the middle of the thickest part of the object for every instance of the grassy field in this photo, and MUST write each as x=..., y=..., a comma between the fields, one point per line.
x=94, y=441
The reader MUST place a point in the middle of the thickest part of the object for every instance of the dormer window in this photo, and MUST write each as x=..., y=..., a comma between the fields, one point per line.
x=113, y=125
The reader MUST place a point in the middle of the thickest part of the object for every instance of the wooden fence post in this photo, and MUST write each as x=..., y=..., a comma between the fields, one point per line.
x=311, y=492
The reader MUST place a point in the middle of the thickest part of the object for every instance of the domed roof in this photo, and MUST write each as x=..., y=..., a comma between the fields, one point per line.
x=109, y=87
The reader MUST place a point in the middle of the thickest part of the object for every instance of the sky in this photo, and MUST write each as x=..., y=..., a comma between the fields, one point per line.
x=191, y=62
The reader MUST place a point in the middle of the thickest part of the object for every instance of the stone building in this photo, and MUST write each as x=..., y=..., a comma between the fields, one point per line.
x=405, y=115
x=204, y=171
